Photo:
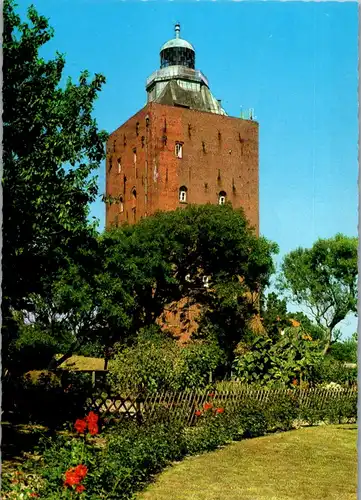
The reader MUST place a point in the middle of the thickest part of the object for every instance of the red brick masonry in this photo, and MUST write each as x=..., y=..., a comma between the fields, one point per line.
x=219, y=153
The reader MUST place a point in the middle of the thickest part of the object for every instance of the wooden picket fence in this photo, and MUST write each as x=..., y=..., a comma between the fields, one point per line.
x=184, y=404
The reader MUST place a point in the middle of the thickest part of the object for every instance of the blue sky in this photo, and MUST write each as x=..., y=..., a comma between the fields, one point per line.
x=295, y=63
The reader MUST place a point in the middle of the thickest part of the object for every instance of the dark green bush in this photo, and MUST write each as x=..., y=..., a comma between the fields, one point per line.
x=281, y=412
x=330, y=369
x=340, y=410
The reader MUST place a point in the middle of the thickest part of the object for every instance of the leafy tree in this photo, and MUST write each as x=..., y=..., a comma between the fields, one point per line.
x=345, y=351
x=172, y=252
x=323, y=278
x=274, y=313
x=52, y=146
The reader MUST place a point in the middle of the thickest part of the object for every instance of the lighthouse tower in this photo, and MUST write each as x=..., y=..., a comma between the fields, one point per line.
x=181, y=148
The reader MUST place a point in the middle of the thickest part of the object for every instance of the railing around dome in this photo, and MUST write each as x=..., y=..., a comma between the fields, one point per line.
x=176, y=71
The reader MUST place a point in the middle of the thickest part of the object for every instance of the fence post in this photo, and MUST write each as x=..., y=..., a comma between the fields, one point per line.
x=93, y=379
x=138, y=409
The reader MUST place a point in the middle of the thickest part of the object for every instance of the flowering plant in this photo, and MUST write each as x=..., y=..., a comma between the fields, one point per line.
x=90, y=423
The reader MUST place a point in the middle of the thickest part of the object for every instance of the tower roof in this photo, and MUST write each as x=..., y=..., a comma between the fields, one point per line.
x=177, y=41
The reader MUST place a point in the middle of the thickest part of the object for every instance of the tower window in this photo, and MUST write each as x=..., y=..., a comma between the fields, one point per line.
x=119, y=165
x=178, y=149
x=135, y=162
x=137, y=128
x=222, y=198
x=183, y=194
x=121, y=205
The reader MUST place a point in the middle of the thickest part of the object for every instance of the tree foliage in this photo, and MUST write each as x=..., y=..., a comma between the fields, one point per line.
x=346, y=350
x=52, y=147
x=274, y=313
x=172, y=252
x=324, y=279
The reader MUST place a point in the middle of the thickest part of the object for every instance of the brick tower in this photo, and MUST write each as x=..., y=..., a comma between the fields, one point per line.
x=181, y=147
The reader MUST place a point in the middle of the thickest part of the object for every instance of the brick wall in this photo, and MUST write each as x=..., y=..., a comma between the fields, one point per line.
x=219, y=153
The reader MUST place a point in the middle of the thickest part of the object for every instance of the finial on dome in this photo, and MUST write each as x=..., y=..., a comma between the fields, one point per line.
x=177, y=30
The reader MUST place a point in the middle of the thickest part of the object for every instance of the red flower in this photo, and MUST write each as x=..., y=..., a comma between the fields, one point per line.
x=34, y=495
x=207, y=406
x=81, y=470
x=211, y=395
x=71, y=478
x=219, y=410
x=80, y=488
x=80, y=426
x=74, y=475
x=198, y=413
x=294, y=381
x=92, y=418
x=93, y=429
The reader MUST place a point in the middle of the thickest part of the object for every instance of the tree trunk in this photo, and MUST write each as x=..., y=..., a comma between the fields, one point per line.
x=54, y=364
x=328, y=342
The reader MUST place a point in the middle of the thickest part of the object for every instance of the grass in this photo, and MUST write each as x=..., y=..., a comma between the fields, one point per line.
x=312, y=463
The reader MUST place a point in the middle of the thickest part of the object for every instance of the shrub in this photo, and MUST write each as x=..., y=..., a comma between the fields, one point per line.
x=211, y=430
x=329, y=370
x=157, y=363
x=282, y=411
x=341, y=409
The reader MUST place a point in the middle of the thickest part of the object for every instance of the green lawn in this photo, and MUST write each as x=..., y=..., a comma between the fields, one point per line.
x=314, y=463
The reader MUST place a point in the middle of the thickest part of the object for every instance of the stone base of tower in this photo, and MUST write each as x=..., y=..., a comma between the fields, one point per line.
x=180, y=319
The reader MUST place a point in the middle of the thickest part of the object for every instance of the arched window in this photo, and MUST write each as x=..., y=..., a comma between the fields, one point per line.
x=222, y=198
x=134, y=197
x=121, y=205
x=183, y=194
x=178, y=150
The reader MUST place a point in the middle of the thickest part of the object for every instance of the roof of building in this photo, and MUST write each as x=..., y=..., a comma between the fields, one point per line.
x=81, y=363
x=177, y=41
x=174, y=95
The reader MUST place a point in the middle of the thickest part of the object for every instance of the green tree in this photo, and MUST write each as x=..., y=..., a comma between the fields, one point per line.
x=89, y=302
x=274, y=313
x=52, y=146
x=346, y=350
x=324, y=279
x=172, y=253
